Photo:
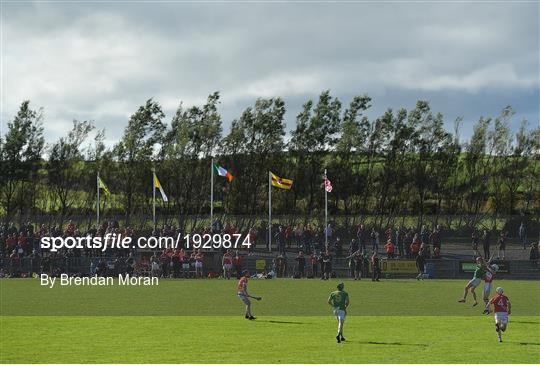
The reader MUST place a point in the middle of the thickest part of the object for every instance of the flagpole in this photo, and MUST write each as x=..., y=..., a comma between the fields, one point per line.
x=154, y=196
x=211, y=193
x=325, y=212
x=98, y=203
x=269, y=211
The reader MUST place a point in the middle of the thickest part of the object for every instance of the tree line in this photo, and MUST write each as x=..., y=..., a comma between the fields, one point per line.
x=403, y=162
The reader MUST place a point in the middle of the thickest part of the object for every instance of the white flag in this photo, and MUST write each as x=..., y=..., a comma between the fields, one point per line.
x=327, y=185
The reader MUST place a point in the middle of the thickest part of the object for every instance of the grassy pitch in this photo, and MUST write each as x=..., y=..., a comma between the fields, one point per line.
x=194, y=321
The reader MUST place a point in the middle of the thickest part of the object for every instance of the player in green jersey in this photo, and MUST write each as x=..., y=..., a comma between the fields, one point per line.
x=339, y=300
x=479, y=273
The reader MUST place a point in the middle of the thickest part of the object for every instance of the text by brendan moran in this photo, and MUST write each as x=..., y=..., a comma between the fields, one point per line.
x=64, y=279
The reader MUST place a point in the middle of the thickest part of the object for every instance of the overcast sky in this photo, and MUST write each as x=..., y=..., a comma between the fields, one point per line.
x=100, y=61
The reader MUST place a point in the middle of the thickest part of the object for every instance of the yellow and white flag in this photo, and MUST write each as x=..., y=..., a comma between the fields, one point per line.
x=158, y=185
x=102, y=186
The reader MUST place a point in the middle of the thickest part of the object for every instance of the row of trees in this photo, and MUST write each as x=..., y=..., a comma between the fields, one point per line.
x=402, y=163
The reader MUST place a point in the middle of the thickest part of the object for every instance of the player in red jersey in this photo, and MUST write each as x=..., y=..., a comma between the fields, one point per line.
x=243, y=294
x=227, y=262
x=502, y=308
x=488, y=281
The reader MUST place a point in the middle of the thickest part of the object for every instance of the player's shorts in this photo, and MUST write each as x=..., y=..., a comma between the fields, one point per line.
x=501, y=317
x=487, y=289
x=244, y=299
x=185, y=266
x=340, y=314
x=227, y=267
x=474, y=282
x=198, y=264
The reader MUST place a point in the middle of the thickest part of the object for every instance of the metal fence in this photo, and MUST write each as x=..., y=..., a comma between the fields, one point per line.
x=112, y=266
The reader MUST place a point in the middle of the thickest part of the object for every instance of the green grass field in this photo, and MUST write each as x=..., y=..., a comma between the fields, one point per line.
x=200, y=321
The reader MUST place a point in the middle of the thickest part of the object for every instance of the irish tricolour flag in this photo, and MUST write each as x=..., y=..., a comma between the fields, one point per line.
x=222, y=172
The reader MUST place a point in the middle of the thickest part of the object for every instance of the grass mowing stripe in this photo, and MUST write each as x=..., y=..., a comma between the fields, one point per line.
x=282, y=297
x=370, y=339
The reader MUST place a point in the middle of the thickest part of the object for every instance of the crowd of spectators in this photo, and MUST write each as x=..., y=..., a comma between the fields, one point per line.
x=314, y=248
x=317, y=248
x=23, y=243
x=18, y=244
x=397, y=242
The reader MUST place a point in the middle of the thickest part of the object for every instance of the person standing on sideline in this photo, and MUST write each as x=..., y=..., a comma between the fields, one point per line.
x=237, y=264
x=252, y=237
x=226, y=263
x=352, y=264
x=376, y=271
x=288, y=236
x=353, y=246
x=301, y=264
x=435, y=237
x=338, y=247
x=326, y=258
x=522, y=235
x=486, y=243
x=420, y=266
x=408, y=241
x=533, y=254
x=474, y=241
x=361, y=235
x=359, y=265
x=399, y=241
x=281, y=263
x=415, y=246
x=199, y=264
x=355, y=264
x=339, y=300
x=314, y=260
x=374, y=240
x=280, y=239
x=502, y=245
x=389, y=247
x=424, y=235
x=329, y=232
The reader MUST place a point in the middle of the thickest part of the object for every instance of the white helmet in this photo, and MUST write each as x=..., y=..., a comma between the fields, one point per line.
x=499, y=290
x=495, y=267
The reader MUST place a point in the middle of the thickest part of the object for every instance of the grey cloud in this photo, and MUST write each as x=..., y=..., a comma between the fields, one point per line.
x=100, y=61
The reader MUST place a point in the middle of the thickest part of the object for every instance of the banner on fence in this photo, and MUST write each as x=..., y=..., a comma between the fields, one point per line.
x=260, y=264
x=395, y=266
x=470, y=266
